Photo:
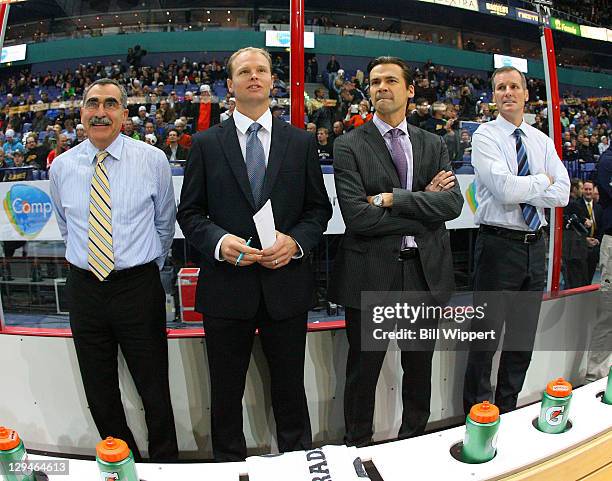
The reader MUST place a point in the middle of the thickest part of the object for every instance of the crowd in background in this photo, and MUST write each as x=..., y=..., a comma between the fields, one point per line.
x=178, y=98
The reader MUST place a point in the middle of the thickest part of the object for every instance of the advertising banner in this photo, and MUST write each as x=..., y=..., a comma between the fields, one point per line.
x=27, y=210
x=565, y=26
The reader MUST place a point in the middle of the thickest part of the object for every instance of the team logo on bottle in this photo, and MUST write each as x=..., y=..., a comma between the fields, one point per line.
x=28, y=209
x=554, y=415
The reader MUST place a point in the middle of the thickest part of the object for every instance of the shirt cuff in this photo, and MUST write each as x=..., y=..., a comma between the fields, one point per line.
x=218, y=249
x=300, y=254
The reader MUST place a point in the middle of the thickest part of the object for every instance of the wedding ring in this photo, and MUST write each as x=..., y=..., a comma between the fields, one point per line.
x=275, y=262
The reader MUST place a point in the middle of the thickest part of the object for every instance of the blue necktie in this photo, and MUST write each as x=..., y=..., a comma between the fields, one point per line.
x=255, y=162
x=530, y=214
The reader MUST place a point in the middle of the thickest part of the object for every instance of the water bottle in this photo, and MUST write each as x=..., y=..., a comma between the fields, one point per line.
x=115, y=460
x=481, y=426
x=13, y=457
x=555, y=406
x=607, y=397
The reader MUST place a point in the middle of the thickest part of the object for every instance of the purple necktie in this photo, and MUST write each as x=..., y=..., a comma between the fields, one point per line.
x=398, y=155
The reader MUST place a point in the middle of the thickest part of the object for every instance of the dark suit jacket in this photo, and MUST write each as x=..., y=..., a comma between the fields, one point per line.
x=604, y=184
x=597, y=213
x=181, y=152
x=367, y=258
x=216, y=199
x=574, y=245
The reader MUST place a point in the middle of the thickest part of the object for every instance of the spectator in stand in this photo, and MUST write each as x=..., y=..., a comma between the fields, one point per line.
x=149, y=128
x=324, y=147
x=142, y=114
x=231, y=105
x=173, y=101
x=34, y=155
x=338, y=130
x=332, y=69
x=184, y=139
x=277, y=111
x=41, y=121
x=128, y=129
x=81, y=136
x=358, y=115
x=20, y=175
x=3, y=162
x=167, y=112
x=453, y=141
x=424, y=89
x=69, y=131
x=160, y=126
x=564, y=120
x=603, y=144
x=11, y=145
x=318, y=113
x=467, y=104
x=436, y=123
x=466, y=143
x=585, y=153
x=485, y=113
x=570, y=150
x=312, y=128
x=208, y=113
x=421, y=114
x=60, y=148
x=173, y=150
x=187, y=108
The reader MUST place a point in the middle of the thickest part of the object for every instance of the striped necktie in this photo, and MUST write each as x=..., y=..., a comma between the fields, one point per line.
x=592, y=217
x=100, y=255
x=530, y=214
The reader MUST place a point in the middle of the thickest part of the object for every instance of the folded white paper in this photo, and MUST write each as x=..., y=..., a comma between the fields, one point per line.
x=264, y=223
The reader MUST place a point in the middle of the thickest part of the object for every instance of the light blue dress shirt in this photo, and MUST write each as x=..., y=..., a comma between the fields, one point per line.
x=142, y=201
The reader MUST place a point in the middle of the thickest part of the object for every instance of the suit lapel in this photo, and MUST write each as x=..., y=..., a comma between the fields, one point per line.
x=278, y=149
x=381, y=150
x=228, y=140
x=416, y=139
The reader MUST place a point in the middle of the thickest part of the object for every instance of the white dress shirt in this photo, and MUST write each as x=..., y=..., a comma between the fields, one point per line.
x=499, y=188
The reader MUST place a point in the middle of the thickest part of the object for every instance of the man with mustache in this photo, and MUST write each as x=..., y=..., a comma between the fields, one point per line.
x=518, y=174
x=396, y=189
x=118, y=229
x=232, y=170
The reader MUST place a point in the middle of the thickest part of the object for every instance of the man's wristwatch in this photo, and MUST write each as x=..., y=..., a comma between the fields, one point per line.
x=377, y=200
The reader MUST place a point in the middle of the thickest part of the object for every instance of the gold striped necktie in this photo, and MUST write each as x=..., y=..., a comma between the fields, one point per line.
x=100, y=245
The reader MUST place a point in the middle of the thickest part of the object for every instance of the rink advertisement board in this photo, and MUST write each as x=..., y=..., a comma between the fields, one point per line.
x=27, y=210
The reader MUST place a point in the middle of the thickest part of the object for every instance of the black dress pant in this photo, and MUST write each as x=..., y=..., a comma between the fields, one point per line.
x=127, y=311
x=363, y=369
x=229, y=343
x=576, y=272
x=592, y=261
x=504, y=265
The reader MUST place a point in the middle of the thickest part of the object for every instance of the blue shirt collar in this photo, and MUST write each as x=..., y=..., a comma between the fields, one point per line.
x=114, y=149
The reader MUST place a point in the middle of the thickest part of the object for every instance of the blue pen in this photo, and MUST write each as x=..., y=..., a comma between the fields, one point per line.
x=248, y=243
